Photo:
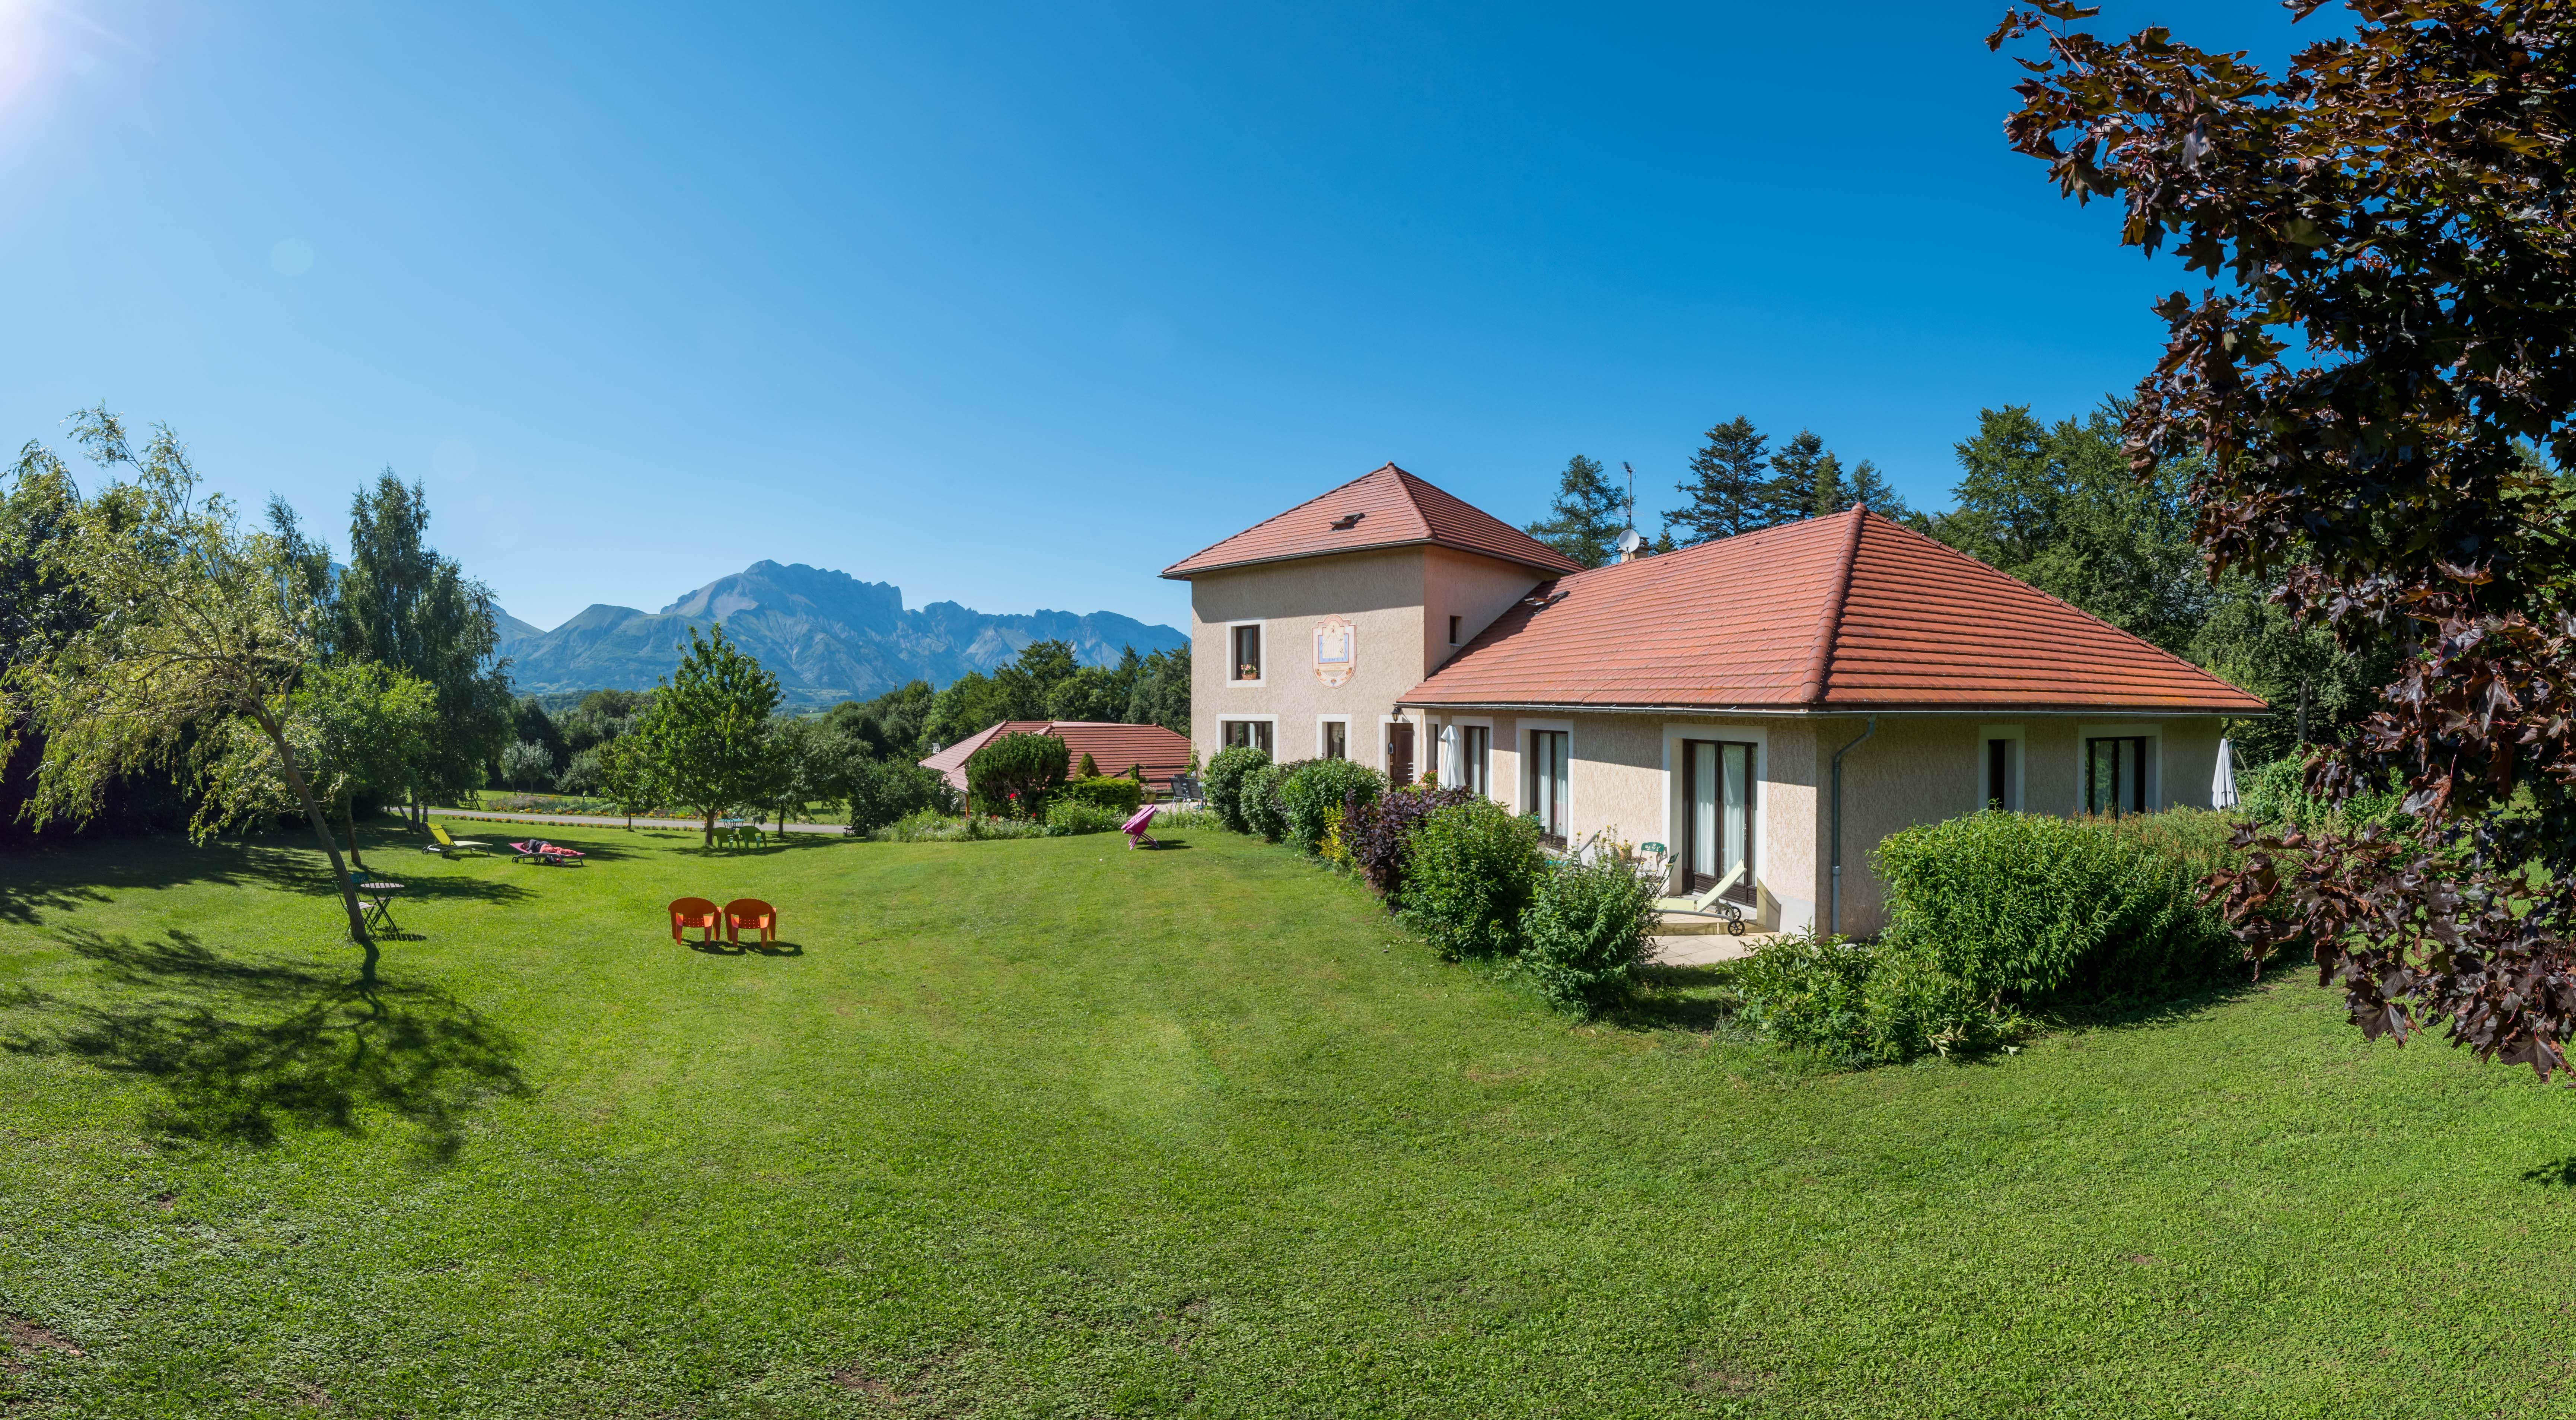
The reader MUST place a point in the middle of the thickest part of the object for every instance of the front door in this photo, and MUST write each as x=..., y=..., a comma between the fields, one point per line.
x=1399, y=752
x=1717, y=817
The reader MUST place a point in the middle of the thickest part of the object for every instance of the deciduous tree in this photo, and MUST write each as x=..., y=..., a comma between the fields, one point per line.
x=199, y=623
x=2390, y=235
x=707, y=731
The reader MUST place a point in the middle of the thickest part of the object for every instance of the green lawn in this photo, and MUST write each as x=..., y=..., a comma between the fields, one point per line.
x=1054, y=1128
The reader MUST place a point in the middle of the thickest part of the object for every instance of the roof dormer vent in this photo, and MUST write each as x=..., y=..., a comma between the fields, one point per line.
x=1347, y=521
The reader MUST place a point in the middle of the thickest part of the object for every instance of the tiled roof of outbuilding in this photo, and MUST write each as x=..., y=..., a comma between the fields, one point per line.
x=1395, y=509
x=1112, y=747
x=1849, y=612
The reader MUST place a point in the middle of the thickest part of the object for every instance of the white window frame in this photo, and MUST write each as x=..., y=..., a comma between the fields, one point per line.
x=2154, y=768
x=2016, y=776
x=1342, y=720
x=1521, y=801
x=1485, y=723
x=1223, y=720
x=1676, y=792
x=1266, y=648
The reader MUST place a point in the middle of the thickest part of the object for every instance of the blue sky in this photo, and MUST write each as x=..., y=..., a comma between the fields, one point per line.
x=1015, y=305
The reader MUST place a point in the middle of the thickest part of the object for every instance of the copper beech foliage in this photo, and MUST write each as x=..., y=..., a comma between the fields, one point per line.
x=2387, y=338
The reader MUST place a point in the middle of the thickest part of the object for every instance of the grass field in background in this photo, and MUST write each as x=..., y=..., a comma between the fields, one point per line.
x=1054, y=1128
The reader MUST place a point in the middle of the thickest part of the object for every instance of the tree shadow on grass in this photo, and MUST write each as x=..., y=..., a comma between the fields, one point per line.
x=2557, y=1173
x=246, y=1046
x=1678, y=998
x=25, y=903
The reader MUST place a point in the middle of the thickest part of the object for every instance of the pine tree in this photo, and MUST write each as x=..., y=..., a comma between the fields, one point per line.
x=1867, y=487
x=1790, y=492
x=1825, y=487
x=1725, y=485
x=1585, y=520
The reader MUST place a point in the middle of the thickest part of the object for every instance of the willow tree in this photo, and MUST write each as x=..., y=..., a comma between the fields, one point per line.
x=199, y=631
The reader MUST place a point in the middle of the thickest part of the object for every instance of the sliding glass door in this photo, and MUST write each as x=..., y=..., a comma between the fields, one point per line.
x=2115, y=775
x=1717, y=817
x=1547, y=781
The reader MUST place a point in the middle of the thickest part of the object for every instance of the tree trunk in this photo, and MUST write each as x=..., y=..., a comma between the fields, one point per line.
x=349, y=816
x=330, y=849
x=711, y=828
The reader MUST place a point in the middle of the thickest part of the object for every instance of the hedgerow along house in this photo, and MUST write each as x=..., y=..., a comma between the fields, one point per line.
x=1778, y=701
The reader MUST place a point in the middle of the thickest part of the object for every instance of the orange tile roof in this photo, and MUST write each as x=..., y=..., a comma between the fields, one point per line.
x=1849, y=612
x=1395, y=509
x=1112, y=747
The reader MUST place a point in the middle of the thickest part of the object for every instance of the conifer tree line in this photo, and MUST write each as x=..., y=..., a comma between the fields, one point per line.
x=2055, y=505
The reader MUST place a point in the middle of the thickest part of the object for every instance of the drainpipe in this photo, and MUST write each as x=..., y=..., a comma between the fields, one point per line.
x=1834, y=900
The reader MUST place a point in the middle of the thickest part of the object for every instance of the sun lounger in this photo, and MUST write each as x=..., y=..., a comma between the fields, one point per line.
x=445, y=845
x=1709, y=904
x=537, y=850
x=1135, y=827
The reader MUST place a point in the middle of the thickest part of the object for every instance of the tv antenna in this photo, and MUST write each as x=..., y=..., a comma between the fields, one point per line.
x=1629, y=541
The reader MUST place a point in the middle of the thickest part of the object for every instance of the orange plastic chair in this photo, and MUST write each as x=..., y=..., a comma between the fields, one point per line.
x=696, y=912
x=751, y=914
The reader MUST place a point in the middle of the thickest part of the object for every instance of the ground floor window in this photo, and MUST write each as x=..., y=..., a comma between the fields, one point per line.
x=2115, y=775
x=1544, y=791
x=1253, y=734
x=1337, y=739
x=1717, y=819
x=1476, y=759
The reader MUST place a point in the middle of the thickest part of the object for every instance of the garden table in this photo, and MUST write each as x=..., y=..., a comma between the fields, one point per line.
x=380, y=904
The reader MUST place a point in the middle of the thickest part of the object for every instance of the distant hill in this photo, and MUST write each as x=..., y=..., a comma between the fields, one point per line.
x=826, y=635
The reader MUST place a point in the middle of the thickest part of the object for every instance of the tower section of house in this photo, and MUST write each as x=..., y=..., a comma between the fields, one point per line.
x=1306, y=628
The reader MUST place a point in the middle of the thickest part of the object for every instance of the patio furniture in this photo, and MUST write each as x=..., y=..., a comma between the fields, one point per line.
x=1711, y=903
x=697, y=913
x=537, y=850
x=380, y=904
x=1186, y=789
x=446, y=845
x=1135, y=827
x=750, y=914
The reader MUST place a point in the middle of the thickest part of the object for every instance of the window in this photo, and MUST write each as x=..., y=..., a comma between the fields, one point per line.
x=1253, y=734
x=1717, y=818
x=1247, y=653
x=1453, y=629
x=1999, y=776
x=1547, y=782
x=1476, y=759
x=1337, y=739
x=2115, y=775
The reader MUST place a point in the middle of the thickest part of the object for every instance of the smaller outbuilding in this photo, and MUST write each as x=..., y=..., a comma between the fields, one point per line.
x=1113, y=747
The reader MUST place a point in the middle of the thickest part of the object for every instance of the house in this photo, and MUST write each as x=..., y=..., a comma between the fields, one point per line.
x=1112, y=747
x=1768, y=706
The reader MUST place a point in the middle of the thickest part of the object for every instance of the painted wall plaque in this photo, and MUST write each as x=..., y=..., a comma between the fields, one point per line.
x=1337, y=645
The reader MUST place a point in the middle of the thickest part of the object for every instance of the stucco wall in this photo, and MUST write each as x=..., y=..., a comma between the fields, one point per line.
x=1916, y=769
x=1399, y=599
x=1474, y=589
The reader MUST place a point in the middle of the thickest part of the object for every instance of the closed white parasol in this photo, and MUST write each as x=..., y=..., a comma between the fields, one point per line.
x=2222, y=785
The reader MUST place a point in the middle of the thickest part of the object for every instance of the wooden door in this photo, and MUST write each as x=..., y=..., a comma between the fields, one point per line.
x=1399, y=752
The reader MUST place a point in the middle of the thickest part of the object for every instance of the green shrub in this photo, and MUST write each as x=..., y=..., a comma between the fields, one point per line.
x=1313, y=797
x=1470, y=871
x=932, y=826
x=2025, y=907
x=1012, y=775
x=1121, y=795
x=1089, y=768
x=2277, y=795
x=1808, y=992
x=1067, y=815
x=883, y=791
x=1261, y=810
x=1585, y=932
x=1225, y=776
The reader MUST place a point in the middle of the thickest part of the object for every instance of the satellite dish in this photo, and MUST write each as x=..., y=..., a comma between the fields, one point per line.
x=1629, y=541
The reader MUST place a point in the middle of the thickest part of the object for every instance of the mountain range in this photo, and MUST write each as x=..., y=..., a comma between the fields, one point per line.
x=826, y=635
